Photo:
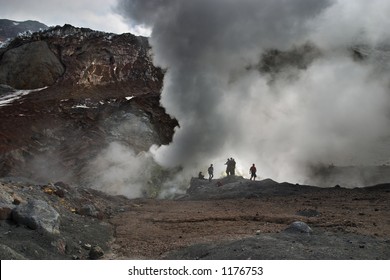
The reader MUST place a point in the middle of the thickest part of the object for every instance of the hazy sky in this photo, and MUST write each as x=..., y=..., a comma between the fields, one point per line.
x=94, y=14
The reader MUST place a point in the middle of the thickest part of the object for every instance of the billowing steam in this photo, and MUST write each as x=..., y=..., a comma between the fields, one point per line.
x=330, y=106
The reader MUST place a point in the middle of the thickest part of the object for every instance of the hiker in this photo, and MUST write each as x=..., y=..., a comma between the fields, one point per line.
x=228, y=166
x=233, y=166
x=200, y=175
x=252, y=171
x=211, y=172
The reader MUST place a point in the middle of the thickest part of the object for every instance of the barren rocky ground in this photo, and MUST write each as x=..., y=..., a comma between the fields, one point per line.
x=345, y=223
x=238, y=220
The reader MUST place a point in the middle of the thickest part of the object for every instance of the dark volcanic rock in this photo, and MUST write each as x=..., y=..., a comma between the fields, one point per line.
x=298, y=227
x=96, y=253
x=19, y=241
x=29, y=66
x=93, y=58
x=89, y=210
x=103, y=88
x=39, y=215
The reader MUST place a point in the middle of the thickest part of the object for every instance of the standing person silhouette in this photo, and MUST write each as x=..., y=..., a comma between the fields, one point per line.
x=252, y=171
x=233, y=166
x=211, y=172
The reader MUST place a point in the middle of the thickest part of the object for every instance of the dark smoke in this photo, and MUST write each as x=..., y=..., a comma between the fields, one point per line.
x=334, y=110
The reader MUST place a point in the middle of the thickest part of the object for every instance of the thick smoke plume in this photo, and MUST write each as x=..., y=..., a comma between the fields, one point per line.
x=332, y=109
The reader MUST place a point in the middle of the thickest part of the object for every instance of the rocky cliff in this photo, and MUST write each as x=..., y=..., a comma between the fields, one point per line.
x=68, y=92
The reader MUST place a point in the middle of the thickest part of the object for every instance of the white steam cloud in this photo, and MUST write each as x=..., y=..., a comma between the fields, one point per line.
x=335, y=110
x=120, y=171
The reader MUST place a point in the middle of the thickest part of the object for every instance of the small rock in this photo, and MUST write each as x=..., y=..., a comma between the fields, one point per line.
x=16, y=200
x=96, y=253
x=298, y=227
x=89, y=210
x=87, y=246
x=59, y=192
x=258, y=232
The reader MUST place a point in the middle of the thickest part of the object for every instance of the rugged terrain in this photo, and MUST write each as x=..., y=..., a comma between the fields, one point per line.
x=240, y=219
x=68, y=93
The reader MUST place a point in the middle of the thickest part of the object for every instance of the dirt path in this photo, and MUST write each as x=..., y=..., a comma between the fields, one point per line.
x=149, y=229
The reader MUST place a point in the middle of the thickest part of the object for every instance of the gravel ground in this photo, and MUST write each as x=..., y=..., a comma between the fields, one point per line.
x=237, y=220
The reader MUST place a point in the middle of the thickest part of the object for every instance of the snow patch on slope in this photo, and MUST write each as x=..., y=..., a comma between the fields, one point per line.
x=9, y=98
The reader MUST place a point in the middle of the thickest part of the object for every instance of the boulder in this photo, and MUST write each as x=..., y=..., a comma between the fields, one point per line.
x=298, y=227
x=37, y=215
x=30, y=66
x=89, y=210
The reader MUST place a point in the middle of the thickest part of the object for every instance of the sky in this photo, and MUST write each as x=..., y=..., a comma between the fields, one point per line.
x=95, y=14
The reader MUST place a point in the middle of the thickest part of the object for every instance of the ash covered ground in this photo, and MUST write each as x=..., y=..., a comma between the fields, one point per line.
x=239, y=219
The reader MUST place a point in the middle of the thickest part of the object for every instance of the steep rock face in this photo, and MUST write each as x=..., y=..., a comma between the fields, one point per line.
x=106, y=91
x=20, y=66
x=92, y=58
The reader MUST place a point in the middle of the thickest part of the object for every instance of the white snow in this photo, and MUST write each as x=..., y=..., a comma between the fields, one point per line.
x=16, y=23
x=83, y=106
x=15, y=95
x=129, y=98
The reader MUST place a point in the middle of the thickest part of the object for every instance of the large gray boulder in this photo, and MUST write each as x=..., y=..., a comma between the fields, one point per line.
x=37, y=215
x=30, y=66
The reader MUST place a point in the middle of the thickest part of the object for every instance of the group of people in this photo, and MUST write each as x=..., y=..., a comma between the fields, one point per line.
x=230, y=170
x=210, y=170
x=230, y=166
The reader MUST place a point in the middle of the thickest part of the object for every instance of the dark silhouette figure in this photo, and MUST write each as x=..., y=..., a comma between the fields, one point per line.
x=200, y=175
x=211, y=172
x=233, y=166
x=252, y=171
x=230, y=166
